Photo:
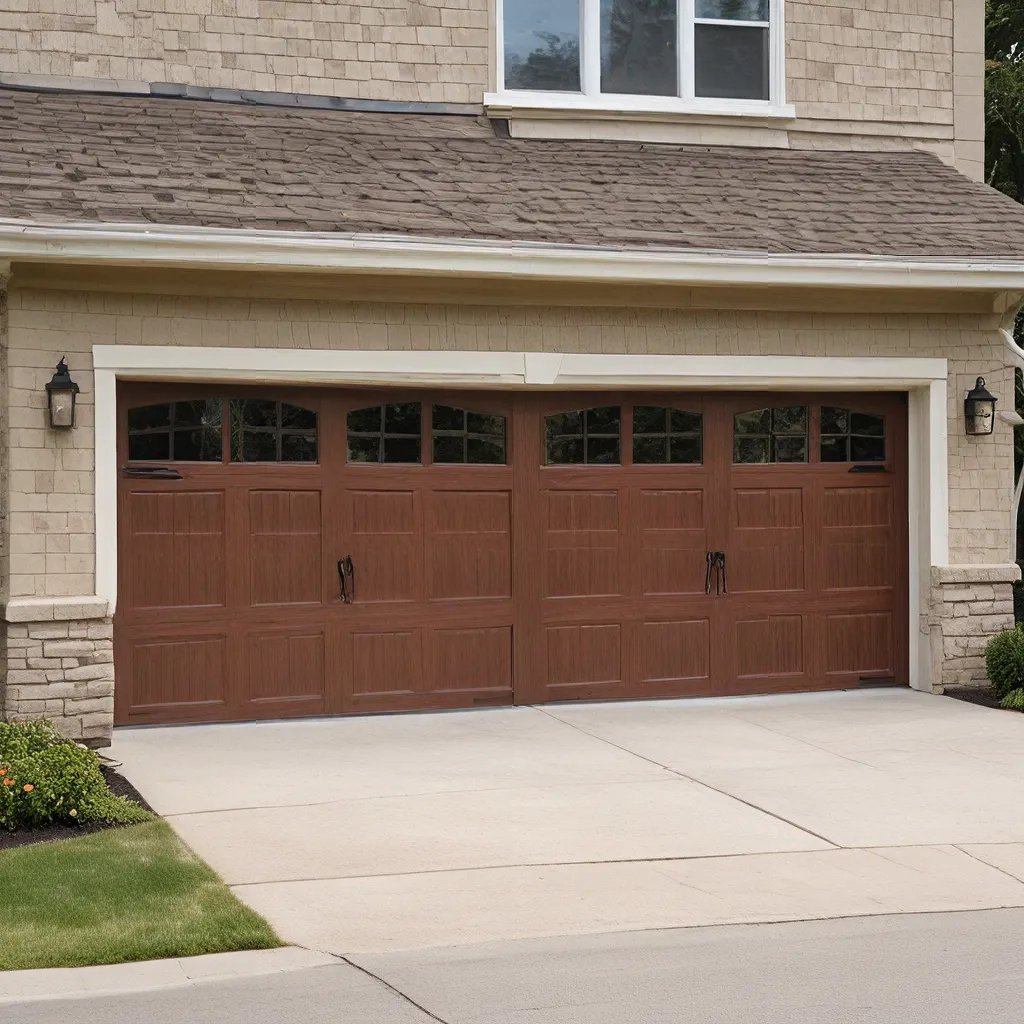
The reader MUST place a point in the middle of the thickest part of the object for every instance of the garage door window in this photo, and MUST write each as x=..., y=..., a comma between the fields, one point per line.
x=385, y=433
x=583, y=437
x=265, y=431
x=662, y=435
x=770, y=435
x=176, y=432
x=848, y=436
x=463, y=436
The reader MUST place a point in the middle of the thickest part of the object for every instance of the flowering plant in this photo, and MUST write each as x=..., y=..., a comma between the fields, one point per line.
x=47, y=778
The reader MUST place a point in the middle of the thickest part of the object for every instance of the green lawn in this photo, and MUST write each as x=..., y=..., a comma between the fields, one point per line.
x=123, y=894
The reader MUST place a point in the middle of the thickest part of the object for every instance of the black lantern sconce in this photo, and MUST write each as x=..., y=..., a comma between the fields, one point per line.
x=979, y=410
x=61, y=395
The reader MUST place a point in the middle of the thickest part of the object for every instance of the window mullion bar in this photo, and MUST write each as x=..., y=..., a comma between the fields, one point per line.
x=686, y=14
x=590, y=47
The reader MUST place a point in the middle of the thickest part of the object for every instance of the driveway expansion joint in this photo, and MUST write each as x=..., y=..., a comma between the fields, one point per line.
x=693, y=779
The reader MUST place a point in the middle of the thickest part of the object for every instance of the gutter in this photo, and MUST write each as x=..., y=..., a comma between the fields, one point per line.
x=241, y=249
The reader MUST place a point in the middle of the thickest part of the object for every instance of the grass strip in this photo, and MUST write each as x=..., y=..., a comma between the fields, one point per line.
x=124, y=894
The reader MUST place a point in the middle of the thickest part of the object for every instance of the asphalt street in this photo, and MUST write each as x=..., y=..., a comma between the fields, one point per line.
x=908, y=969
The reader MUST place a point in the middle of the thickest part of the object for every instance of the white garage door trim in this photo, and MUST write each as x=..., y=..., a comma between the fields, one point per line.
x=924, y=379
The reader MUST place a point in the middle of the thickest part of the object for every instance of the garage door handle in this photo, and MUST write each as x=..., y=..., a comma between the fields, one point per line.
x=347, y=575
x=716, y=566
x=151, y=472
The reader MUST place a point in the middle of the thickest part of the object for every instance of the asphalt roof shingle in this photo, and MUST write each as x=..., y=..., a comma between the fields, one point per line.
x=67, y=157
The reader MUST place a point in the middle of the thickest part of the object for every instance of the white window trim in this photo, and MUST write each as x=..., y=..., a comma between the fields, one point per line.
x=923, y=378
x=592, y=101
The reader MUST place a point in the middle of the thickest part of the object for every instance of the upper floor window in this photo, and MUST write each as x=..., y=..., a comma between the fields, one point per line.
x=665, y=54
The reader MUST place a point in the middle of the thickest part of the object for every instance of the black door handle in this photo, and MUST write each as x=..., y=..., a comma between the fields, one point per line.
x=350, y=570
x=715, y=561
x=347, y=576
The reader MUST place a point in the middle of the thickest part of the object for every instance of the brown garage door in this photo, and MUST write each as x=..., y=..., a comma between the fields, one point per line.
x=314, y=551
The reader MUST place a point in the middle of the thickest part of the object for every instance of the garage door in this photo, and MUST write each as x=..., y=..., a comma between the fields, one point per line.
x=297, y=552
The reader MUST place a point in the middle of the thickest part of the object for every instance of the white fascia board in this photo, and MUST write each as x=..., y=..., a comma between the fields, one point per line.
x=240, y=249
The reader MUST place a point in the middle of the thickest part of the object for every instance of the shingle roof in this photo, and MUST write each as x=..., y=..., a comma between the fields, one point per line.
x=108, y=158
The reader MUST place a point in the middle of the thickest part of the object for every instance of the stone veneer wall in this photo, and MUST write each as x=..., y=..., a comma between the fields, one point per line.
x=971, y=603
x=60, y=665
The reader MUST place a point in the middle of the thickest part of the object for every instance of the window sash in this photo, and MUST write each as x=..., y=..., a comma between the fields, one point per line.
x=590, y=60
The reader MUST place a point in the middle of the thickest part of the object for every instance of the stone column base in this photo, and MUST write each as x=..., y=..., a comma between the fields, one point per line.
x=59, y=659
x=971, y=604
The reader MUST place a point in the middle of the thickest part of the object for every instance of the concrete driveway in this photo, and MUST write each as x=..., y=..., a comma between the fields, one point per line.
x=400, y=832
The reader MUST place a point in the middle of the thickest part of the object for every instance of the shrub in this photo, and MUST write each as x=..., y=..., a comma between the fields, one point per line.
x=1004, y=661
x=46, y=778
x=1013, y=701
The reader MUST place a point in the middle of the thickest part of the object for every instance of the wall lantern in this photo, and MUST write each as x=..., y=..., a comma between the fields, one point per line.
x=61, y=394
x=979, y=409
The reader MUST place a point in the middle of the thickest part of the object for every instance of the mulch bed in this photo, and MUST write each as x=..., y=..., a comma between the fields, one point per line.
x=119, y=786
x=976, y=695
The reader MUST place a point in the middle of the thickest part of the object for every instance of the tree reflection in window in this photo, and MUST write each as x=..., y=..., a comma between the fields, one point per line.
x=385, y=433
x=266, y=431
x=542, y=45
x=848, y=436
x=462, y=436
x=662, y=435
x=176, y=432
x=770, y=435
x=584, y=436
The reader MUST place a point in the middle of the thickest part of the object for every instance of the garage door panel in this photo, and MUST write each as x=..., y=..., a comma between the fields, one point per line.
x=285, y=668
x=174, y=556
x=858, y=543
x=175, y=676
x=469, y=539
x=675, y=655
x=387, y=663
x=286, y=548
x=860, y=644
x=583, y=656
x=386, y=545
x=772, y=645
x=581, y=544
x=673, y=541
x=766, y=548
x=472, y=660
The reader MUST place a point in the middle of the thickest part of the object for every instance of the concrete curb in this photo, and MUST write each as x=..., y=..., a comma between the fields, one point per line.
x=150, y=975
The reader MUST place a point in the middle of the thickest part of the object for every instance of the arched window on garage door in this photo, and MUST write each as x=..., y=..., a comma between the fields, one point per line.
x=851, y=436
x=467, y=437
x=189, y=431
x=263, y=430
x=583, y=437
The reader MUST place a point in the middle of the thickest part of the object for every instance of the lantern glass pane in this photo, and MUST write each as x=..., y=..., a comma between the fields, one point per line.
x=62, y=408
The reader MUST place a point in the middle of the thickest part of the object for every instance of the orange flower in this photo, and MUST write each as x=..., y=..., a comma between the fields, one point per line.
x=3, y=771
x=8, y=782
x=28, y=787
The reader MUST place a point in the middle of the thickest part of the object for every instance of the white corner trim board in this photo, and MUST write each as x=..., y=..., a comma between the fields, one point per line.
x=924, y=379
x=233, y=248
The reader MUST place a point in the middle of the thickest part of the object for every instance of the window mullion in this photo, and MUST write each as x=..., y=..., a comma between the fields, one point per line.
x=590, y=47
x=686, y=15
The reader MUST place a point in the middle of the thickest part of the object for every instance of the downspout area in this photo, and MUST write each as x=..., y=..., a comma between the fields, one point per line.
x=1016, y=360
